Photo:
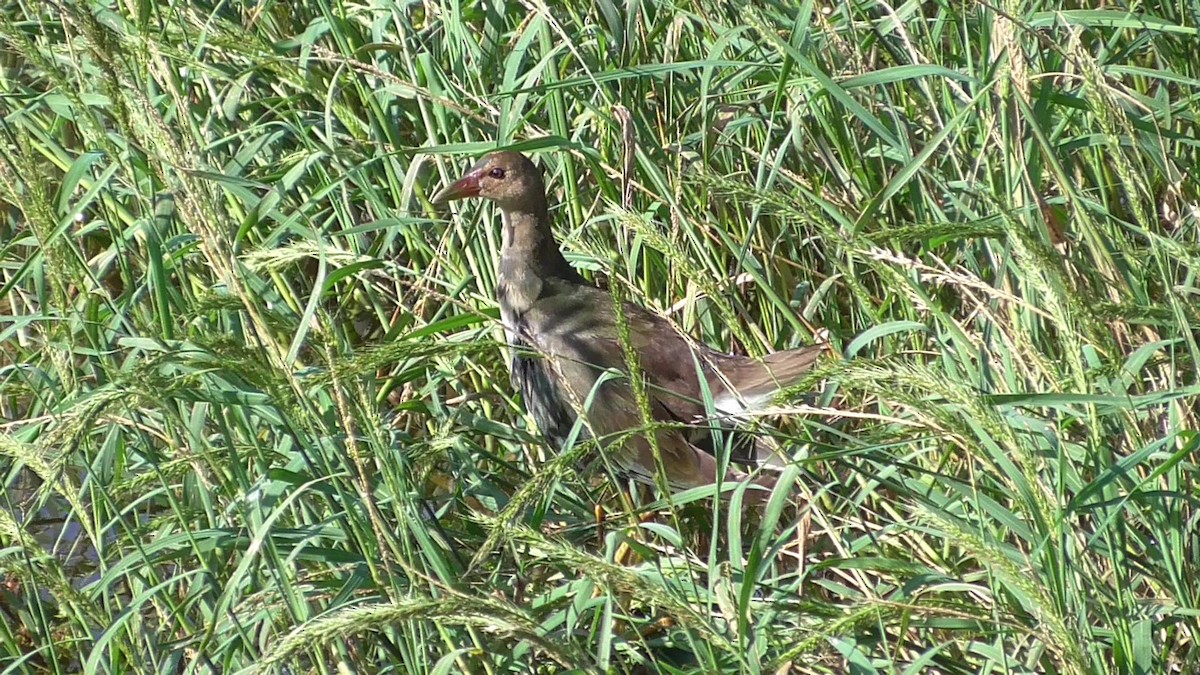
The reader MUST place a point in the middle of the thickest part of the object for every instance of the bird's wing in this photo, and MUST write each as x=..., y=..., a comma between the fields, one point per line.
x=577, y=327
x=610, y=408
x=583, y=320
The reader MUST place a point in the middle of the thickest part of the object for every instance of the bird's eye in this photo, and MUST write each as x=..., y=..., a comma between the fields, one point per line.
x=496, y=173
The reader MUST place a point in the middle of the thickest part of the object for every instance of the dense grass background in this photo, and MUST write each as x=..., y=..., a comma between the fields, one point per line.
x=255, y=411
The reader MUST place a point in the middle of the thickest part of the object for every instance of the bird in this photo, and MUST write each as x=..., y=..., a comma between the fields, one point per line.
x=564, y=334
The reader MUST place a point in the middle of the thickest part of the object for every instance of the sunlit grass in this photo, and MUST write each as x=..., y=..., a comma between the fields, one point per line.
x=255, y=413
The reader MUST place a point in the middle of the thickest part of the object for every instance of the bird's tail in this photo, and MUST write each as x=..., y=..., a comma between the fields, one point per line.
x=748, y=384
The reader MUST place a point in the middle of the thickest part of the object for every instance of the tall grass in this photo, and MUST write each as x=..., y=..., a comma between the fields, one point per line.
x=255, y=410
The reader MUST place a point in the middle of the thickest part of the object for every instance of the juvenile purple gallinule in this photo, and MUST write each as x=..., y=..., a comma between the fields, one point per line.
x=564, y=335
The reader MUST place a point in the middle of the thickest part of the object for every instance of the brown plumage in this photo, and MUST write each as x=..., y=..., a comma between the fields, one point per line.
x=564, y=335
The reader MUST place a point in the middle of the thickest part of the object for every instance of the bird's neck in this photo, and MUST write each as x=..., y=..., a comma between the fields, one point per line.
x=529, y=252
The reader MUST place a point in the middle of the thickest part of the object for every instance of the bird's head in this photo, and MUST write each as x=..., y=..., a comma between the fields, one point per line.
x=507, y=178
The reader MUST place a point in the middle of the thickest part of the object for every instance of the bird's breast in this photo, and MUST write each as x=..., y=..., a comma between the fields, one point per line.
x=534, y=376
x=511, y=320
x=531, y=371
